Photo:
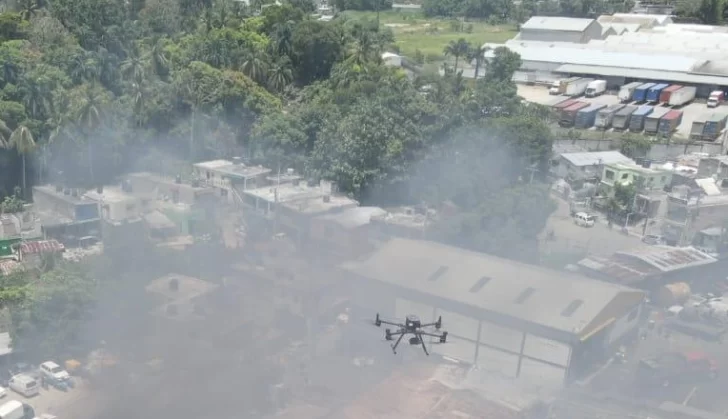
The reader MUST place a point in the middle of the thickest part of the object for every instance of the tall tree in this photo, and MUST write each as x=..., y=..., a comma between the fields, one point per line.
x=23, y=142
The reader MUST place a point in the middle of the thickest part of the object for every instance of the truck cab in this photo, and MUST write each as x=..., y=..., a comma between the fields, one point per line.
x=716, y=98
x=556, y=88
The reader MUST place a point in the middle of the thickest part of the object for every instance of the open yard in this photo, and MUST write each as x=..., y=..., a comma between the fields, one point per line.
x=412, y=32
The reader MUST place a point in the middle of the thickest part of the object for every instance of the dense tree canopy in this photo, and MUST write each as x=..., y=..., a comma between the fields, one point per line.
x=91, y=89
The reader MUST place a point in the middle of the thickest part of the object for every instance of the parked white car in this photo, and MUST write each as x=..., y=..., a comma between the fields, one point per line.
x=583, y=219
x=53, y=371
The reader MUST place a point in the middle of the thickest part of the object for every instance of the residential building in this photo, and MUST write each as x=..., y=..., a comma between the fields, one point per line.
x=690, y=210
x=713, y=166
x=291, y=206
x=508, y=318
x=624, y=174
x=169, y=188
x=586, y=165
x=407, y=222
x=649, y=268
x=65, y=212
x=228, y=177
x=346, y=233
x=118, y=205
x=559, y=29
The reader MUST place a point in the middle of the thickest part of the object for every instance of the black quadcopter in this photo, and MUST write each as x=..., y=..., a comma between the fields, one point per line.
x=412, y=325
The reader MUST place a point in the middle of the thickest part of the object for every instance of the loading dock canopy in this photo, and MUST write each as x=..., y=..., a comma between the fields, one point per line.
x=562, y=301
x=636, y=73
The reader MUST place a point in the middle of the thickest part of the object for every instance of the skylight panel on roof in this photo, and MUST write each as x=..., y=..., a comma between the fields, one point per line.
x=571, y=308
x=524, y=295
x=480, y=284
x=438, y=273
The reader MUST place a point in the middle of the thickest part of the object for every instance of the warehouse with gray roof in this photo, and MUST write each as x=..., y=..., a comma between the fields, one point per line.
x=507, y=317
x=645, y=48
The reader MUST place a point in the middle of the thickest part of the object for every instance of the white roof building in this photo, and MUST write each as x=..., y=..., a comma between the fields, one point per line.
x=560, y=29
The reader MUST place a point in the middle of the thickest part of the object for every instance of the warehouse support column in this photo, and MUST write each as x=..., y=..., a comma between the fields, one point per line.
x=477, y=343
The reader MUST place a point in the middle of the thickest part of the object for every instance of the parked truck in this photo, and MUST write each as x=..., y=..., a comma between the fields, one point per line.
x=559, y=86
x=596, y=88
x=625, y=92
x=653, y=93
x=621, y=118
x=696, y=130
x=667, y=92
x=605, y=116
x=652, y=121
x=640, y=93
x=716, y=98
x=577, y=88
x=568, y=115
x=714, y=126
x=682, y=96
x=585, y=117
x=564, y=104
x=637, y=121
x=670, y=122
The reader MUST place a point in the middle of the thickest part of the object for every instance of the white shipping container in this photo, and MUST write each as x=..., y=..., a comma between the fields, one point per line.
x=577, y=88
x=596, y=88
x=682, y=96
x=625, y=92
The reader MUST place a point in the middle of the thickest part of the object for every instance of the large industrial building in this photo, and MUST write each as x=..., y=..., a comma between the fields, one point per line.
x=629, y=48
x=509, y=318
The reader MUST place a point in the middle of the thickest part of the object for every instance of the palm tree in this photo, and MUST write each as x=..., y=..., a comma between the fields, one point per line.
x=477, y=54
x=280, y=75
x=4, y=134
x=457, y=49
x=90, y=117
x=281, y=44
x=27, y=9
x=255, y=66
x=134, y=67
x=23, y=142
x=160, y=63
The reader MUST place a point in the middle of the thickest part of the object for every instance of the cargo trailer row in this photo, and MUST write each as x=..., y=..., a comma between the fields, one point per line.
x=651, y=119
x=605, y=116
x=672, y=95
x=585, y=118
x=637, y=121
x=568, y=114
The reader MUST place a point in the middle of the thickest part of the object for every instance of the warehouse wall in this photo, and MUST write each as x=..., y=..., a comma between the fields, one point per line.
x=494, y=348
x=551, y=36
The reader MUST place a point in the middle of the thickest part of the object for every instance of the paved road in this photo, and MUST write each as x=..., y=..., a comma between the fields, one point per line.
x=598, y=240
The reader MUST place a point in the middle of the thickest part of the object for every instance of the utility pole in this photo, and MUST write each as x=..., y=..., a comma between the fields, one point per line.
x=533, y=171
x=376, y=6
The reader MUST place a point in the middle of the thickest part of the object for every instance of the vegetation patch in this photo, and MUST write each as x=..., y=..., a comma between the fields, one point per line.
x=418, y=36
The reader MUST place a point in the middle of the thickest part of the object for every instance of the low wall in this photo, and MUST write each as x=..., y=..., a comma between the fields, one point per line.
x=657, y=152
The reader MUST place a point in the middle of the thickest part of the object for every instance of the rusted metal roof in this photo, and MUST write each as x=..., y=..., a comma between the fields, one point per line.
x=634, y=266
x=41, y=246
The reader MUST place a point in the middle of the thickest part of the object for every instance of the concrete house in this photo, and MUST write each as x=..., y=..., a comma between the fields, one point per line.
x=586, y=165
x=509, y=318
x=630, y=173
x=224, y=175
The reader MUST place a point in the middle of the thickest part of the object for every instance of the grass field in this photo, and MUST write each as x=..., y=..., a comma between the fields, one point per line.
x=413, y=32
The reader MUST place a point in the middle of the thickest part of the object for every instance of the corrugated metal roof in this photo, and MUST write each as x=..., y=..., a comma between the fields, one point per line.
x=595, y=157
x=592, y=57
x=529, y=293
x=672, y=76
x=354, y=217
x=41, y=246
x=8, y=266
x=708, y=186
x=563, y=24
x=634, y=266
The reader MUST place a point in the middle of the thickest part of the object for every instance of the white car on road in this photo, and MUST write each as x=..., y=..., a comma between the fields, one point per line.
x=53, y=371
x=583, y=219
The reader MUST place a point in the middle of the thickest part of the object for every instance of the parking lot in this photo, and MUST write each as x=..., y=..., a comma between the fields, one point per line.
x=73, y=403
x=540, y=94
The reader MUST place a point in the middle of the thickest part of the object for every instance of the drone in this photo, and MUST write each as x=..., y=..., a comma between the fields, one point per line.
x=412, y=325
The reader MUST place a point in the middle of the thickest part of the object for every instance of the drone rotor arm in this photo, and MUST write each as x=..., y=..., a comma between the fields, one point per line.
x=392, y=323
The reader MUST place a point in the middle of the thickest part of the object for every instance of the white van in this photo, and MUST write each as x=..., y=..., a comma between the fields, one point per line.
x=14, y=409
x=25, y=385
x=583, y=219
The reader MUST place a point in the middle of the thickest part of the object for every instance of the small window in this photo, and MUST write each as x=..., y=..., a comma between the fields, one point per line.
x=571, y=308
x=524, y=295
x=438, y=273
x=633, y=314
x=625, y=176
x=609, y=174
x=480, y=284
